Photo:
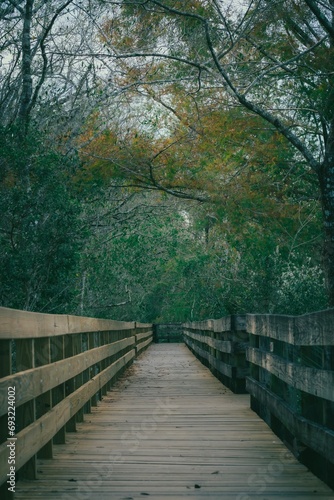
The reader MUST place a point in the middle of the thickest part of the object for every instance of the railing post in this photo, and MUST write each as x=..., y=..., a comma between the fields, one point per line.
x=155, y=333
x=240, y=341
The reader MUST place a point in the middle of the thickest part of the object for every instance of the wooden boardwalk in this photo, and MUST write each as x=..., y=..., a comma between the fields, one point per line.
x=170, y=430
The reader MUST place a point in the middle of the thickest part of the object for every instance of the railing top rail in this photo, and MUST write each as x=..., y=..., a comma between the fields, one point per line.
x=308, y=329
x=312, y=329
x=224, y=324
x=16, y=324
x=142, y=325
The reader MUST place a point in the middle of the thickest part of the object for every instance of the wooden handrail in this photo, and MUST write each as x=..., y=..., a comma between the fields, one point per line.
x=59, y=366
x=16, y=324
x=290, y=376
x=220, y=344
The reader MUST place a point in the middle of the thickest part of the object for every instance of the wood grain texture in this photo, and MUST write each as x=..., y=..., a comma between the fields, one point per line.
x=144, y=335
x=143, y=345
x=315, y=329
x=34, y=382
x=222, y=367
x=219, y=345
x=16, y=324
x=320, y=383
x=169, y=430
x=313, y=435
x=34, y=436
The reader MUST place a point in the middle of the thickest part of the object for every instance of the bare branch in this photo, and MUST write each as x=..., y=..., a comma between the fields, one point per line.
x=323, y=20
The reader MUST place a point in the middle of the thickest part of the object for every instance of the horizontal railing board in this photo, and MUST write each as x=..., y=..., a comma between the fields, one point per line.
x=270, y=325
x=141, y=336
x=314, y=329
x=200, y=325
x=222, y=367
x=313, y=435
x=144, y=344
x=16, y=324
x=219, y=345
x=32, y=438
x=311, y=380
x=34, y=382
x=225, y=324
x=82, y=324
x=222, y=324
x=143, y=325
x=25, y=324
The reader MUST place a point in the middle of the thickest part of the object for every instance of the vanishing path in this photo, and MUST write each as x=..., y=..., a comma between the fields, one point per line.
x=170, y=430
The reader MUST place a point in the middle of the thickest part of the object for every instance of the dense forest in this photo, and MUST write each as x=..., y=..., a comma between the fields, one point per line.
x=167, y=160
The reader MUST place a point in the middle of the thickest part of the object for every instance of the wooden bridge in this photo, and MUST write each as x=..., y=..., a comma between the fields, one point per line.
x=96, y=416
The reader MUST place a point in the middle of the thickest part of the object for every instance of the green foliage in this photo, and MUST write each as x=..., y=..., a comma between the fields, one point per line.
x=41, y=233
x=181, y=264
x=88, y=240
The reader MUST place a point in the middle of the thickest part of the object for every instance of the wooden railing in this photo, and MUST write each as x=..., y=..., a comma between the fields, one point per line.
x=221, y=345
x=288, y=365
x=168, y=332
x=291, y=383
x=53, y=368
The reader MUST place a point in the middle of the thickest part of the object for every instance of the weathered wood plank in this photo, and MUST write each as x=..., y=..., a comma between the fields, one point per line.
x=38, y=433
x=206, y=325
x=78, y=324
x=144, y=335
x=315, y=329
x=15, y=324
x=142, y=325
x=222, y=324
x=223, y=368
x=143, y=345
x=311, y=380
x=315, y=436
x=272, y=325
x=219, y=345
x=31, y=383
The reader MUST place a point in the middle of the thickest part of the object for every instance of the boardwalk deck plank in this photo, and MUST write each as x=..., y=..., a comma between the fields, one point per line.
x=169, y=430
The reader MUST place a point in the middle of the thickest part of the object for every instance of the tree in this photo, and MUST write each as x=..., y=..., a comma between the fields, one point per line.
x=135, y=235
x=222, y=106
x=43, y=84
x=41, y=230
x=274, y=59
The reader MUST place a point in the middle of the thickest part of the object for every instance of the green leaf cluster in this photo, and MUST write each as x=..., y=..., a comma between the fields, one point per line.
x=41, y=233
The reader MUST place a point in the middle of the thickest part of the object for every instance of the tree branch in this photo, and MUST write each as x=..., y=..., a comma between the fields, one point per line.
x=44, y=56
x=325, y=23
